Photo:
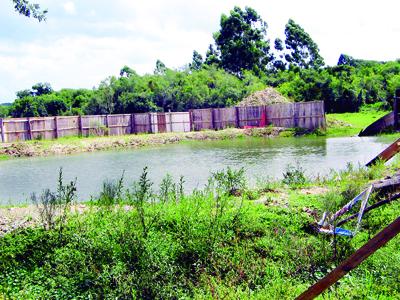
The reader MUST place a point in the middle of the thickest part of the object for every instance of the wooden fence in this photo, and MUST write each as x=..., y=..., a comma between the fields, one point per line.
x=309, y=115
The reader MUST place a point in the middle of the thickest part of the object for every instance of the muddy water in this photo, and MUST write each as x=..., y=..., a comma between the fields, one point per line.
x=194, y=160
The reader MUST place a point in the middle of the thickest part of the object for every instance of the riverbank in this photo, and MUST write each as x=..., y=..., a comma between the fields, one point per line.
x=338, y=125
x=226, y=241
x=72, y=145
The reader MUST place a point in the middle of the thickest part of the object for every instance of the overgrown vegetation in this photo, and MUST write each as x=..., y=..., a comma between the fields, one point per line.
x=212, y=243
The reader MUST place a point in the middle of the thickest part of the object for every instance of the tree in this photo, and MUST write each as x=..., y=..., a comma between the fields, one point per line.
x=279, y=63
x=197, y=61
x=24, y=93
x=303, y=51
x=242, y=42
x=160, y=68
x=212, y=56
x=41, y=89
x=127, y=72
x=27, y=9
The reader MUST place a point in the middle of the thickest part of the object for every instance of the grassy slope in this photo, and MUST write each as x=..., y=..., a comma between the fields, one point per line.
x=204, y=246
x=350, y=124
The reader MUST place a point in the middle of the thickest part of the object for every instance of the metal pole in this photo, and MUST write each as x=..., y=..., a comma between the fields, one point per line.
x=353, y=261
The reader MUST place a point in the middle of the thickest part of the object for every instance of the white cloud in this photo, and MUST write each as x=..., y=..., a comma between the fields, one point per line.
x=69, y=8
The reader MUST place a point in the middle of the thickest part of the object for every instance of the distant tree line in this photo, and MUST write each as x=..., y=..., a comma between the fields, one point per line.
x=240, y=62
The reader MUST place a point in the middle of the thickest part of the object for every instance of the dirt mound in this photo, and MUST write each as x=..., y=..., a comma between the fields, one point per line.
x=265, y=97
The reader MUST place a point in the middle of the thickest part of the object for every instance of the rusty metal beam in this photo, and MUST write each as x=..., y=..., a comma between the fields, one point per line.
x=353, y=261
x=386, y=154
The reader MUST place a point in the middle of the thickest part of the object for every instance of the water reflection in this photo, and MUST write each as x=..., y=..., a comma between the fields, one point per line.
x=194, y=160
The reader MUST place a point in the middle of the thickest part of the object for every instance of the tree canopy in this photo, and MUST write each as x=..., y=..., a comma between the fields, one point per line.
x=242, y=42
x=303, y=51
x=28, y=9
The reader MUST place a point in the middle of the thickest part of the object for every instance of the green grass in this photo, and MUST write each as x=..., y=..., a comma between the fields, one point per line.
x=4, y=157
x=214, y=243
x=350, y=124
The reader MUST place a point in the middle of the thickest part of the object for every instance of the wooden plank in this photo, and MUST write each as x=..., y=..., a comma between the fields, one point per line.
x=237, y=119
x=379, y=125
x=56, y=126
x=191, y=120
x=392, y=183
x=29, y=129
x=2, y=130
x=212, y=119
x=150, y=124
x=396, y=109
x=133, y=127
x=386, y=154
x=80, y=126
x=353, y=261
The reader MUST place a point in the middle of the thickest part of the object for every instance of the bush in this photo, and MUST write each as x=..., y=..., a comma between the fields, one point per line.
x=294, y=176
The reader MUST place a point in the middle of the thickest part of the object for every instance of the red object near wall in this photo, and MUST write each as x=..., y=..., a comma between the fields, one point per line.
x=263, y=121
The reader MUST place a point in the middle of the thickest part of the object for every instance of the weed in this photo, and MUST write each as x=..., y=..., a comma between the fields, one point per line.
x=54, y=206
x=111, y=192
x=229, y=181
x=294, y=176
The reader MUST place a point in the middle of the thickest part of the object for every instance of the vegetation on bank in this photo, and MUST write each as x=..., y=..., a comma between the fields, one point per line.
x=225, y=241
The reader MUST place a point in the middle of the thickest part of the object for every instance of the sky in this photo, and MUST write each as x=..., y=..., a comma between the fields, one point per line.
x=83, y=42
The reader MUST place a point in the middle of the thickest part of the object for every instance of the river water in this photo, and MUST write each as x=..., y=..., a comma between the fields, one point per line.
x=261, y=158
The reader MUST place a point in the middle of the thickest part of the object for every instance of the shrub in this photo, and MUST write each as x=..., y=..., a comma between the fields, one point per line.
x=230, y=182
x=111, y=192
x=54, y=206
x=294, y=176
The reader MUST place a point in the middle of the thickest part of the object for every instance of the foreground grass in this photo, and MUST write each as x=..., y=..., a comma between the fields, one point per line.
x=222, y=242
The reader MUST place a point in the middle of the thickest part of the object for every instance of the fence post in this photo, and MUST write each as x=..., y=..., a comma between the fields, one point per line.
x=237, y=120
x=106, y=121
x=170, y=121
x=396, y=109
x=80, y=132
x=2, y=130
x=212, y=119
x=133, y=127
x=151, y=124
x=29, y=129
x=56, y=126
x=191, y=127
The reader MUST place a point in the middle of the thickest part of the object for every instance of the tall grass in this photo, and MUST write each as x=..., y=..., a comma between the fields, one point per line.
x=212, y=243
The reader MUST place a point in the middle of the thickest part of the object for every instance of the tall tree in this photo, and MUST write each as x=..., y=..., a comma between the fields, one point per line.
x=27, y=9
x=279, y=62
x=160, y=68
x=127, y=72
x=242, y=41
x=41, y=89
x=303, y=51
x=212, y=56
x=197, y=61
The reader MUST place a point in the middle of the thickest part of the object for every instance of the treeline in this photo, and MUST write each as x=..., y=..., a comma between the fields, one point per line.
x=240, y=62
